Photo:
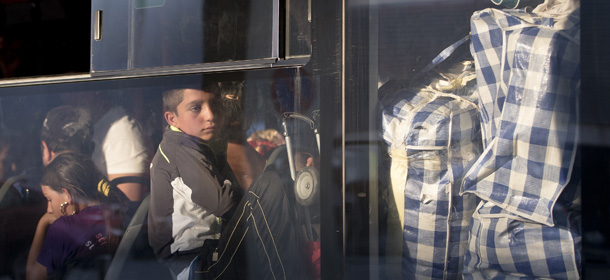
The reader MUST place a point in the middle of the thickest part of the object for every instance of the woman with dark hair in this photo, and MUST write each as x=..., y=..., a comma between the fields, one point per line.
x=78, y=226
x=245, y=162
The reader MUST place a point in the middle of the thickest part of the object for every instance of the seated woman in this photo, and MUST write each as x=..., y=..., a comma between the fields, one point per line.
x=76, y=229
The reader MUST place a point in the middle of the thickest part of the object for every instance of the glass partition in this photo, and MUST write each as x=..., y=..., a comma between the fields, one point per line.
x=419, y=139
x=267, y=147
x=468, y=138
x=131, y=35
x=49, y=37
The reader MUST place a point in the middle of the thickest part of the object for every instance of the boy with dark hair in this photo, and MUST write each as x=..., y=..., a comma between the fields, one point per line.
x=189, y=194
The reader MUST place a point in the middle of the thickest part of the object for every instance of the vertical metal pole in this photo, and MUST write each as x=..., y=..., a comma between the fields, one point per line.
x=289, y=151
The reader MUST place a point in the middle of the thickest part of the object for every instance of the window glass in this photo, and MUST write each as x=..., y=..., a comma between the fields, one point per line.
x=482, y=129
x=64, y=36
x=467, y=135
x=185, y=33
x=298, y=28
x=258, y=118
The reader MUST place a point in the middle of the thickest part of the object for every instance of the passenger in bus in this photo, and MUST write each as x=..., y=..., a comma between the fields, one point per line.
x=266, y=237
x=120, y=149
x=66, y=129
x=245, y=162
x=78, y=230
x=189, y=193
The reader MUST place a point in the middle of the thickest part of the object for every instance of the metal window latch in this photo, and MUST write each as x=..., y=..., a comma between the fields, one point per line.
x=97, y=25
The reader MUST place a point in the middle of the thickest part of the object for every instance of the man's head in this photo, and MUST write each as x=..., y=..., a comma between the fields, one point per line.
x=196, y=112
x=66, y=129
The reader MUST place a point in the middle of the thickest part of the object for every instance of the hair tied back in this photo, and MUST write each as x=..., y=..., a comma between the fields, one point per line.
x=103, y=187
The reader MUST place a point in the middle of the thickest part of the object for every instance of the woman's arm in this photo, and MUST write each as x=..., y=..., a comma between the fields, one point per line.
x=35, y=270
x=133, y=190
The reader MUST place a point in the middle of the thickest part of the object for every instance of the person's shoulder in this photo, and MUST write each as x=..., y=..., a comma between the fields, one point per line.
x=60, y=227
x=172, y=147
x=90, y=214
x=165, y=151
x=121, y=120
x=110, y=116
x=268, y=182
x=171, y=143
x=174, y=137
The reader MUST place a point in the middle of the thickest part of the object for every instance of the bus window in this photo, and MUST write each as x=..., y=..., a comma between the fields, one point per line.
x=266, y=141
x=163, y=33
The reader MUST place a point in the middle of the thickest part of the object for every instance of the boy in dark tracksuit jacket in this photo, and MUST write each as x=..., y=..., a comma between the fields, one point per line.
x=189, y=195
x=264, y=238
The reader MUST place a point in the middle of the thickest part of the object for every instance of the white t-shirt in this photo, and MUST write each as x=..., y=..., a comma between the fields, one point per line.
x=119, y=144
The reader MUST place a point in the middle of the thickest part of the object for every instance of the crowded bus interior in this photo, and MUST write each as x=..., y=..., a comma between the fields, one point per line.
x=304, y=139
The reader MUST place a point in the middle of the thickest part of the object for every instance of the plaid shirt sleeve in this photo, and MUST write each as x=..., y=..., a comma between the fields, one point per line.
x=435, y=136
x=528, y=78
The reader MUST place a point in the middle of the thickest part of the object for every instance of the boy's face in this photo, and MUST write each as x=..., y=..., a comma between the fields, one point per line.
x=198, y=114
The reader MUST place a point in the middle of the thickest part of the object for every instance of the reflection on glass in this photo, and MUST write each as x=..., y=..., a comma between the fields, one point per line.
x=126, y=128
x=163, y=33
x=480, y=121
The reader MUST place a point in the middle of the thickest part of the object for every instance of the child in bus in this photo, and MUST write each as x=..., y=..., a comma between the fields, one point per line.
x=79, y=225
x=189, y=194
x=64, y=129
x=68, y=129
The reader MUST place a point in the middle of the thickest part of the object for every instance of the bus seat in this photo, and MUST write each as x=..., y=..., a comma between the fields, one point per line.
x=8, y=184
x=278, y=157
x=127, y=262
x=131, y=233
